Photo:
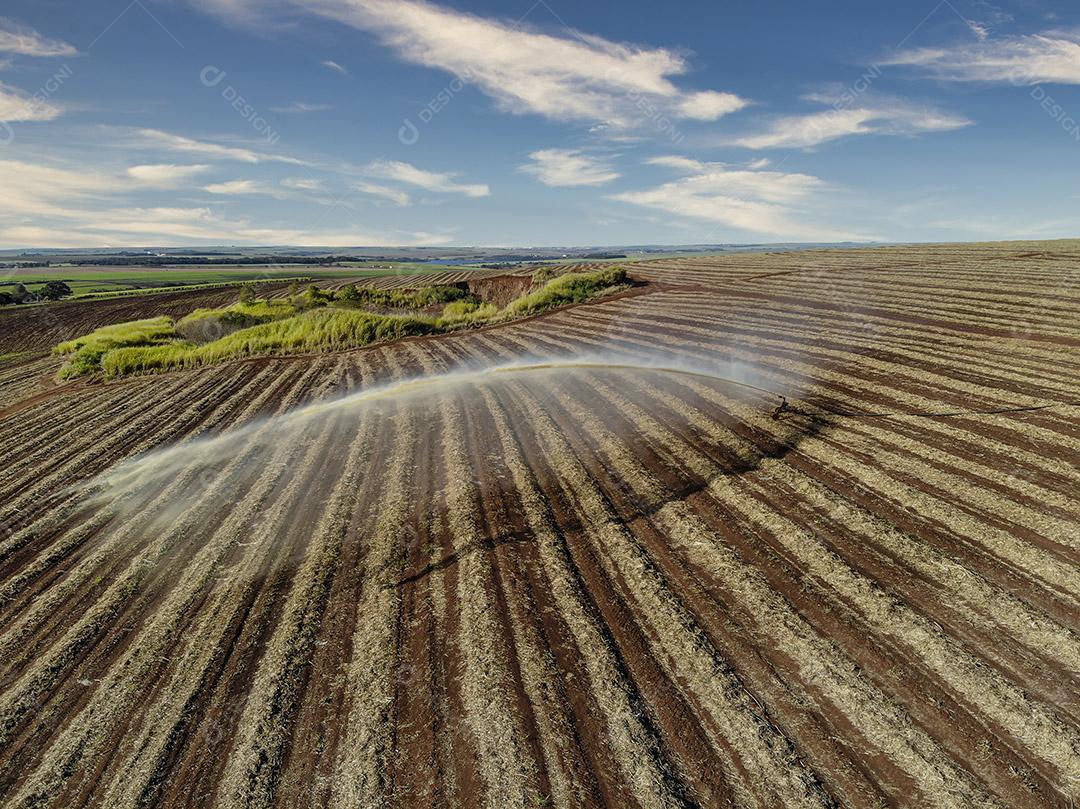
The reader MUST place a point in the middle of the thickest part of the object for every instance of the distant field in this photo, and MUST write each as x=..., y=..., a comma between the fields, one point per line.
x=91, y=280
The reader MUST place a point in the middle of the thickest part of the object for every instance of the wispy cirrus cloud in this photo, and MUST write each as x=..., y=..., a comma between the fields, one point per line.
x=683, y=165
x=329, y=64
x=575, y=77
x=568, y=76
x=569, y=167
x=889, y=117
x=180, y=143
x=164, y=174
x=15, y=105
x=439, y=182
x=301, y=108
x=23, y=41
x=204, y=230
x=754, y=201
x=237, y=188
x=34, y=189
x=285, y=189
x=394, y=195
x=302, y=184
x=1050, y=57
x=60, y=206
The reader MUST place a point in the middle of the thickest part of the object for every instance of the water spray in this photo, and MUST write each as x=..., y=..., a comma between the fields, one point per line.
x=159, y=462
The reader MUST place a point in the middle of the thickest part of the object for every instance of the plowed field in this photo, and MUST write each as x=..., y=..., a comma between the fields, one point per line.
x=571, y=561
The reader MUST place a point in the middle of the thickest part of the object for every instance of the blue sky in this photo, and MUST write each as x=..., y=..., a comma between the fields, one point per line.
x=469, y=122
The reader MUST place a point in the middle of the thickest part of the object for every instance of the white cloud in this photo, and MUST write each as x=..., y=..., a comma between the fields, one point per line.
x=886, y=118
x=32, y=189
x=409, y=174
x=1052, y=57
x=575, y=77
x=140, y=226
x=709, y=105
x=281, y=190
x=236, y=188
x=759, y=202
x=980, y=30
x=683, y=165
x=185, y=145
x=334, y=66
x=301, y=108
x=29, y=236
x=164, y=174
x=569, y=167
x=50, y=206
x=15, y=105
x=394, y=195
x=302, y=184
x=25, y=41
x=214, y=231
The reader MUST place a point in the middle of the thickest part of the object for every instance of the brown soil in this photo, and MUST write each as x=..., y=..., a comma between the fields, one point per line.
x=574, y=588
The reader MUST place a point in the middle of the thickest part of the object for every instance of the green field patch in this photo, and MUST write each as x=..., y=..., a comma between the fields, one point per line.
x=100, y=282
x=317, y=320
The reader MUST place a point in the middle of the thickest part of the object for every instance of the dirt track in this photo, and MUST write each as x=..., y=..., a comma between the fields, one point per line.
x=621, y=587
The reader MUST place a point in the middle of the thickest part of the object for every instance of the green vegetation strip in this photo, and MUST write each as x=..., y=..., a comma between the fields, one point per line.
x=317, y=320
x=98, y=292
x=115, y=282
x=143, y=277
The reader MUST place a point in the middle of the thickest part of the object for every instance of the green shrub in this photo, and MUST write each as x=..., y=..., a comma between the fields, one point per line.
x=86, y=353
x=314, y=297
x=467, y=313
x=136, y=332
x=429, y=296
x=567, y=289
x=350, y=294
x=315, y=330
x=54, y=291
x=207, y=325
x=402, y=298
